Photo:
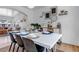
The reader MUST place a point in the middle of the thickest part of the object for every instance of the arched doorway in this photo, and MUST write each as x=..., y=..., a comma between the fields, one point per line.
x=9, y=18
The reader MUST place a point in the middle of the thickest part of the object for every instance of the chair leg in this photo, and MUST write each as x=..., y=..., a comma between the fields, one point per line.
x=23, y=49
x=52, y=50
x=14, y=47
x=59, y=42
x=17, y=49
x=46, y=50
x=10, y=46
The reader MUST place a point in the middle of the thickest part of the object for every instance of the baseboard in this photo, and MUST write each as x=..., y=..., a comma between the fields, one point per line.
x=70, y=44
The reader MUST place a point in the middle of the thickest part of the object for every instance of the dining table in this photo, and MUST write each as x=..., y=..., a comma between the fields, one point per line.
x=48, y=41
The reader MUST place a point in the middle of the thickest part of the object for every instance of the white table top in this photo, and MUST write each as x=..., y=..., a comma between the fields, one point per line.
x=47, y=41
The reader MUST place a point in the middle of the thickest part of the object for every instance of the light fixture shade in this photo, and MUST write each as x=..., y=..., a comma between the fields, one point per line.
x=30, y=6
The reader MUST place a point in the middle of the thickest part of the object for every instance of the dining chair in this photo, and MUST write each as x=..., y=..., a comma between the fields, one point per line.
x=29, y=45
x=13, y=41
x=39, y=48
x=59, y=27
x=60, y=31
x=19, y=42
x=59, y=42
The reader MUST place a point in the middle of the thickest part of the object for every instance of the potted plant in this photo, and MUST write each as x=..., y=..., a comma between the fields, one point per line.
x=36, y=25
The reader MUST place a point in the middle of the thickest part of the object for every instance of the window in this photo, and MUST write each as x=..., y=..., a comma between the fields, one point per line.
x=7, y=12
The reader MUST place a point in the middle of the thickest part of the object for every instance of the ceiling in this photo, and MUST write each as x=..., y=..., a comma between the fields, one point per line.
x=35, y=7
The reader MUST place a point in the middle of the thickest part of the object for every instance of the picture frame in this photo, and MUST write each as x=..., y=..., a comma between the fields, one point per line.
x=53, y=10
x=47, y=15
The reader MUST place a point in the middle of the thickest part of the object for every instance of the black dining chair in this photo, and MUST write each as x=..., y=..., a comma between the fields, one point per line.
x=29, y=45
x=19, y=42
x=39, y=48
x=13, y=41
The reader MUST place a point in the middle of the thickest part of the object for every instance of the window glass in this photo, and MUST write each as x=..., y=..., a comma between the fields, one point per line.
x=7, y=12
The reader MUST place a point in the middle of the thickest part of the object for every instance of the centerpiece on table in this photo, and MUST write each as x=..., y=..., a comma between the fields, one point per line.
x=36, y=26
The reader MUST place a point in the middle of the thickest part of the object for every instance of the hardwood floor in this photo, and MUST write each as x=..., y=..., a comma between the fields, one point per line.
x=6, y=49
x=5, y=42
x=68, y=48
x=60, y=48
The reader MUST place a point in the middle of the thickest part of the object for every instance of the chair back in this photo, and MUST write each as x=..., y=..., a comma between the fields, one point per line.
x=19, y=40
x=12, y=37
x=29, y=45
x=59, y=27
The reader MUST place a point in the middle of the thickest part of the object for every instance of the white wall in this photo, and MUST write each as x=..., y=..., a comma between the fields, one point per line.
x=18, y=18
x=38, y=12
x=70, y=24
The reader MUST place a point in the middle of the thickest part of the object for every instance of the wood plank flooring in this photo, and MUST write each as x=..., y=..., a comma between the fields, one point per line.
x=6, y=49
x=68, y=48
x=60, y=48
x=5, y=42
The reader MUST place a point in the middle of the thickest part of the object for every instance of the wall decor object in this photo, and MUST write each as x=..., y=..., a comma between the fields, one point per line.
x=23, y=19
x=53, y=10
x=63, y=12
x=50, y=15
x=47, y=15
